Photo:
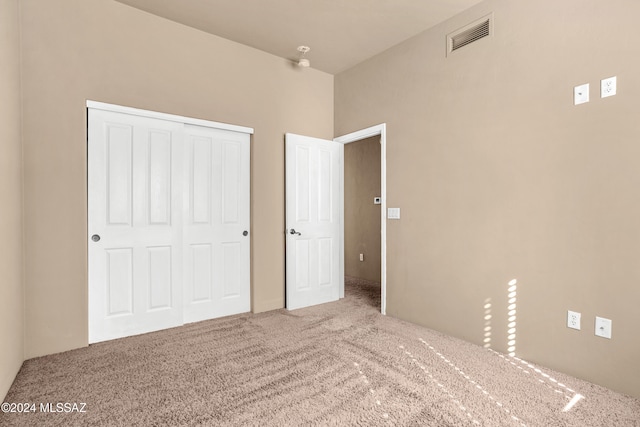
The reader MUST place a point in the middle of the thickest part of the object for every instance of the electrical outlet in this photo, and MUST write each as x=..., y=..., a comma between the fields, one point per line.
x=573, y=320
x=608, y=87
x=603, y=327
x=361, y=257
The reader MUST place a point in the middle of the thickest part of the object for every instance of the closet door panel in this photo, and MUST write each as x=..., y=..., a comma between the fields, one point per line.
x=134, y=225
x=222, y=159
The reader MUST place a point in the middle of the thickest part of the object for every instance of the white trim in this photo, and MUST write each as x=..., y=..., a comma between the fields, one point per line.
x=357, y=136
x=164, y=116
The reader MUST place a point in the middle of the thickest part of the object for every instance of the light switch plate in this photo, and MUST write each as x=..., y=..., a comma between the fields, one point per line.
x=581, y=94
x=608, y=87
x=393, y=213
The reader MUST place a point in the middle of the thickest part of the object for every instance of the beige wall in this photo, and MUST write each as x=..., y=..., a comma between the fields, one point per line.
x=102, y=50
x=499, y=177
x=361, y=216
x=11, y=291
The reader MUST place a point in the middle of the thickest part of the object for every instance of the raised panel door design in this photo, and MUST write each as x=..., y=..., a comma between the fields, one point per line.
x=159, y=178
x=232, y=169
x=136, y=264
x=325, y=177
x=119, y=295
x=302, y=183
x=326, y=261
x=168, y=223
x=160, y=278
x=302, y=250
x=119, y=142
x=231, y=264
x=225, y=280
x=200, y=185
x=313, y=221
x=201, y=259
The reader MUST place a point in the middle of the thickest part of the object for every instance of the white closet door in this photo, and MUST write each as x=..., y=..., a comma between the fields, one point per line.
x=216, y=223
x=134, y=225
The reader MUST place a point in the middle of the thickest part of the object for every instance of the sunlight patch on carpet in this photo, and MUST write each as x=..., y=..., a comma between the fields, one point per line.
x=474, y=383
x=572, y=403
x=366, y=382
x=441, y=386
x=546, y=380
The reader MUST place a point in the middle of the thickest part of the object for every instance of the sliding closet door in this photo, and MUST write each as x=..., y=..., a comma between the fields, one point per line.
x=168, y=221
x=216, y=223
x=134, y=225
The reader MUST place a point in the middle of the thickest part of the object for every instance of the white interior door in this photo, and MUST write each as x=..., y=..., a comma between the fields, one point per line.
x=216, y=223
x=313, y=201
x=134, y=223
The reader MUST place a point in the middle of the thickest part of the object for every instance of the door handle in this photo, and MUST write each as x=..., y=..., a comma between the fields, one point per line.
x=293, y=231
x=95, y=237
x=245, y=233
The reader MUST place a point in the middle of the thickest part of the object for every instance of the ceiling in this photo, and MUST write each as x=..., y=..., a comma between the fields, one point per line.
x=340, y=33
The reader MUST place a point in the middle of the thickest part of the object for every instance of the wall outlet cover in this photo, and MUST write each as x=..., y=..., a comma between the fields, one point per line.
x=608, y=87
x=581, y=94
x=603, y=327
x=573, y=320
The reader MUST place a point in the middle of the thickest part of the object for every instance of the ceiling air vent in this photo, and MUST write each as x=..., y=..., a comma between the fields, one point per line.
x=468, y=34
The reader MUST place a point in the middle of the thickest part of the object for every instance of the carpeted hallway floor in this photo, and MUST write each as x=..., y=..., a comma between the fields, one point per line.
x=340, y=363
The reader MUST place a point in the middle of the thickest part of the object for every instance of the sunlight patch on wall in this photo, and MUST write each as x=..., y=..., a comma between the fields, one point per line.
x=487, y=323
x=512, y=313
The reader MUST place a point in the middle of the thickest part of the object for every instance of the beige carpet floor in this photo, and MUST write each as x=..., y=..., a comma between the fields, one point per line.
x=340, y=363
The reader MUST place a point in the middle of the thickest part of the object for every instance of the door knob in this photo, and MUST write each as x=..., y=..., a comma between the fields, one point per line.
x=245, y=233
x=95, y=238
x=293, y=231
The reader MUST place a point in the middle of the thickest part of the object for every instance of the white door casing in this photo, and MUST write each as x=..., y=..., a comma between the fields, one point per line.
x=216, y=223
x=135, y=267
x=380, y=130
x=313, y=216
x=169, y=198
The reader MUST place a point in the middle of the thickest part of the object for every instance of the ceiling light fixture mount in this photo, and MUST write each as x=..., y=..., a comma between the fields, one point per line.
x=303, y=62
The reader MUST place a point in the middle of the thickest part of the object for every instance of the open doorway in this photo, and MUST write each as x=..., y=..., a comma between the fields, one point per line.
x=362, y=220
x=373, y=135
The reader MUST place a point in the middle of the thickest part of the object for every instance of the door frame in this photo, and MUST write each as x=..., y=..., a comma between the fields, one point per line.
x=376, y=130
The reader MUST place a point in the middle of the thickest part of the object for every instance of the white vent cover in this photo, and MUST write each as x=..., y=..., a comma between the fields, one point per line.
x=468, y=34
